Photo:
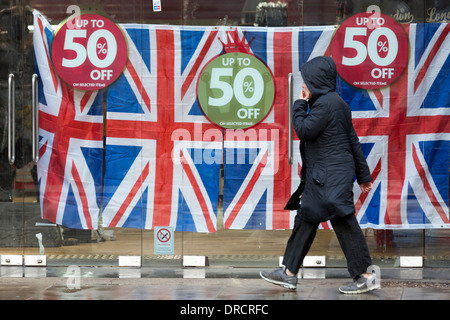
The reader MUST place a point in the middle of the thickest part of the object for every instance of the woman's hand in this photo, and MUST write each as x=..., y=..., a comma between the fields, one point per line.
x=305, y=94
x=366, y=187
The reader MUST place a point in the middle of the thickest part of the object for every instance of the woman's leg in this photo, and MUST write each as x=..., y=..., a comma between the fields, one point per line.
x=353, y=244
x=299, y=243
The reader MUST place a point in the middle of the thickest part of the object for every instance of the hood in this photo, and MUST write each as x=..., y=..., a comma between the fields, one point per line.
x=319, y=75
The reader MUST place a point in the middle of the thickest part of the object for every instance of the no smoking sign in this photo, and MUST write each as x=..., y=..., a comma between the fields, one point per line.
x=370, y=50
x=164, y=235
x=89, y=52
x=163, y=240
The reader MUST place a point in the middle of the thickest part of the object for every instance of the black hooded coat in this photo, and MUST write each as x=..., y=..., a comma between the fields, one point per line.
x=330, y=149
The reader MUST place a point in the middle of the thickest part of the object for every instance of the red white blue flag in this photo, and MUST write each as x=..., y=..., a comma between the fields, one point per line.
x=161, y=165
x=404, y=130
x=70, y=142
x=256, y=170
x=163, y=158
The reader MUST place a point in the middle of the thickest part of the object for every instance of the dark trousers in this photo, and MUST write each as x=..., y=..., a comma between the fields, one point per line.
x=349, y=234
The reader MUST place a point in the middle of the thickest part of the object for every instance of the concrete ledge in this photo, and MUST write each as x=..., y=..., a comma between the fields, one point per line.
x=195, y=261
x=411, y=261
x=11, y=260
x=129, y=261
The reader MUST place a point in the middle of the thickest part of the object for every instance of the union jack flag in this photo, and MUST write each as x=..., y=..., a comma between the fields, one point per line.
x=413, y=124
x=161, y=167
x=70, y=142
x=256, y=171
x=404, y=131
x=163, y=157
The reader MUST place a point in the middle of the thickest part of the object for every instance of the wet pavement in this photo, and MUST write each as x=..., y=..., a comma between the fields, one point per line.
x=209, y=284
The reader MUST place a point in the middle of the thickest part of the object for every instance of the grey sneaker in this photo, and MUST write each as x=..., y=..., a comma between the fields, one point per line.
x=361, y=285
x=279, y=277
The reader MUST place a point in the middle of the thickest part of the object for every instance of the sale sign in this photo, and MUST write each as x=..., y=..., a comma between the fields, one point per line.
x=370, y=50
x=89, y=52
x=236, y=90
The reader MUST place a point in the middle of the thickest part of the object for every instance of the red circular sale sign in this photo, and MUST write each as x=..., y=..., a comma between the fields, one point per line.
x=89, y=52
x=370, y=50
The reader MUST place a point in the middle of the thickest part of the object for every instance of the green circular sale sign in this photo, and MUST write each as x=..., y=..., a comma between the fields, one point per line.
x=236, y=90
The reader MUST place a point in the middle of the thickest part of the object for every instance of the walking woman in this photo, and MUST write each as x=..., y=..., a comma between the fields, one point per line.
x=331, y=156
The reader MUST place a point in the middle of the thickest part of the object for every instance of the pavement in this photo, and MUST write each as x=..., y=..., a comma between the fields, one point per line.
x=240, y=285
